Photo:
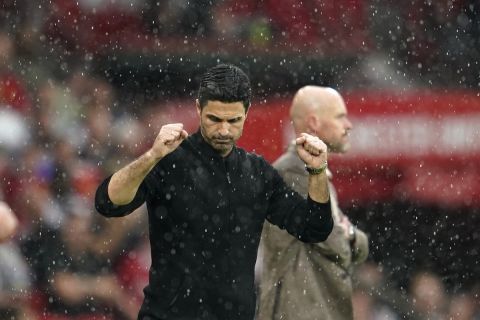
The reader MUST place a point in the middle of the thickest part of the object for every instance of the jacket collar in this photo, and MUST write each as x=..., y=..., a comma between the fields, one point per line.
x=207, y=150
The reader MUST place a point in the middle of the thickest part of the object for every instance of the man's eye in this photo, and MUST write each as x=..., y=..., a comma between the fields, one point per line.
x=214, y=119
x=234, y=120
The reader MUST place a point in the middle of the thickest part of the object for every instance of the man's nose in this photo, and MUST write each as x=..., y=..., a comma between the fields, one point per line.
x=224, y=129
x=348, y=124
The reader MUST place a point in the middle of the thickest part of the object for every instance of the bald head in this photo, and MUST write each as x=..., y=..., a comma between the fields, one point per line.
x=321, y=111
x=311, y=100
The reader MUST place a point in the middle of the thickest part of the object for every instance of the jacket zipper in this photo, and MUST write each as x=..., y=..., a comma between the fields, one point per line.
x=229, y=209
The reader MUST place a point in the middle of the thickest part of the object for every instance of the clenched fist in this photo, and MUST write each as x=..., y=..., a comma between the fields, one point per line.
x=168, y=139
x=311, y=150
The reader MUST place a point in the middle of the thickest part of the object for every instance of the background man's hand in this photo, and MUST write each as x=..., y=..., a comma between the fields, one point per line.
x=311, y=150
x=346, y=225
x=168, y=139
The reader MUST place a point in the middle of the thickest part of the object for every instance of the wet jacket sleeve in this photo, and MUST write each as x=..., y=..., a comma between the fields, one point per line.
x=360, y=247
x=107, y=208
x=307, y=220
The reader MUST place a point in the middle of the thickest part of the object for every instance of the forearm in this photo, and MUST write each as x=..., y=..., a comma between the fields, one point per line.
x=318, y=187
x=124, y=183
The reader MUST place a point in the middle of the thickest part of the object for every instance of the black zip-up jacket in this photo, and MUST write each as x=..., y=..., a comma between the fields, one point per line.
x=206, y=215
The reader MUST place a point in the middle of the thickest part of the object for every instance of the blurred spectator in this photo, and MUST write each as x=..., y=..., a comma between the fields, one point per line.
x=236, y=20
x=14, y=272
x=319, y=24
x=8, y=222
x=462, y=307
x=38, y=202
x=13, y=92
x=311, y=25
x=15, y=284
x=80, y=282
x=59, y=113
x=112, y=24
x=114, y=239
x=428, y=39
x=195, y=17
x=9, y=181
x=367, y=307
x=99, y=120
x=132, y=270
x=162, y=18
x=14, y=134
x=428, y=296
x=376, y=298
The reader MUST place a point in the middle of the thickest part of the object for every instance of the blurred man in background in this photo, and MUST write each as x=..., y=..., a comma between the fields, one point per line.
x=311, y=281
x=8, y=222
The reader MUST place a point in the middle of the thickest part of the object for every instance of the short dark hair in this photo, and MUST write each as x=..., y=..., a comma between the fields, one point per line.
x=225, y=83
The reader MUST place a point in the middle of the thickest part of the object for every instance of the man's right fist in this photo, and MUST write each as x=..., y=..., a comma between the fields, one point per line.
x=168, y=139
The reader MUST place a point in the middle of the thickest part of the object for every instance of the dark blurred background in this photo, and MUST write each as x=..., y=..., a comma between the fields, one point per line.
x=85, y=85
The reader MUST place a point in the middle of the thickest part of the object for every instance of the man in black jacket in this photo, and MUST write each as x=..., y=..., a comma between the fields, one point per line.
x=207, y=201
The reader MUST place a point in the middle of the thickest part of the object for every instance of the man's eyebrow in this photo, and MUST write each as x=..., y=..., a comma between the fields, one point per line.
x=213, y=117
x=235, y=119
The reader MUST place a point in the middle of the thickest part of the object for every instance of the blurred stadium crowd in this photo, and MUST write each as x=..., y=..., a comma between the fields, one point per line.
x=66, y=122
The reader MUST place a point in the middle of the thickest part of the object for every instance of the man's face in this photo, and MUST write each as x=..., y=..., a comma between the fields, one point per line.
x=334, y=126
x=221, y=124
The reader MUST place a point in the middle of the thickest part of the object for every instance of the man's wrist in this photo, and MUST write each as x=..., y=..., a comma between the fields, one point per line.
x=318, y=170
x=152, y=156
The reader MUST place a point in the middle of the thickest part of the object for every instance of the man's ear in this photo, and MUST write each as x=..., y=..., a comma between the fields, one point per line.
x=199, y=109
x=312, y=124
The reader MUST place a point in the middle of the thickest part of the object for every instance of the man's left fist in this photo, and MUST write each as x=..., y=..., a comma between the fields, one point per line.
x=311, y=150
